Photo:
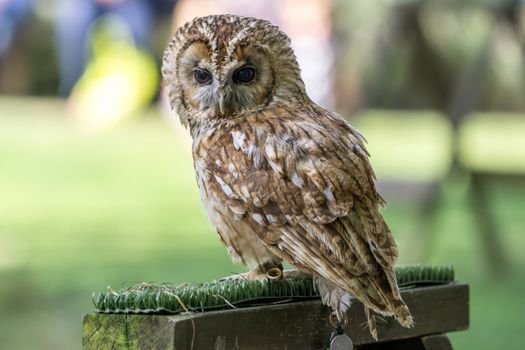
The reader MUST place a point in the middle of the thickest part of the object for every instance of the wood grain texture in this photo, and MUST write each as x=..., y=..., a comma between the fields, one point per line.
x=299, y=325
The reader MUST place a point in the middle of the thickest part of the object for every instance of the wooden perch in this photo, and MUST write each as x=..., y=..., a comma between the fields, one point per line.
x=297, y=325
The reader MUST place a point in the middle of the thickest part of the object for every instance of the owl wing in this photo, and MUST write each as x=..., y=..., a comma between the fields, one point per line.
x=307, y=189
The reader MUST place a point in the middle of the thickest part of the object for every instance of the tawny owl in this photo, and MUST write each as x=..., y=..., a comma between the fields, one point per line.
x=281, y=178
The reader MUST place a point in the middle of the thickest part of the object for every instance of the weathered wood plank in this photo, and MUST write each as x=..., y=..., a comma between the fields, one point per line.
x=128, y=331
x=298, y=325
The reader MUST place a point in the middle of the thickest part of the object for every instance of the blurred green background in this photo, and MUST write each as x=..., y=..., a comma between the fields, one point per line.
x=91, y=198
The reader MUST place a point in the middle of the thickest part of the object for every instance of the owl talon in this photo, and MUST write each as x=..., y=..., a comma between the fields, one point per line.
x=338, y=339
x=236, y=277
x=296, y=274
x=273, y=273
x=269, y=271
x=338, y=321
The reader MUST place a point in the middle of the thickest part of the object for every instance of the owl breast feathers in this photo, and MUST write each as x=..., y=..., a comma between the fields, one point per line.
x=280, y=177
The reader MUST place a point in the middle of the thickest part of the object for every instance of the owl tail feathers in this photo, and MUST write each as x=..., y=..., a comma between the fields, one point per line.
x=399, y=311
x=402, y=314
x=397, y=306
x=371, y=320
x=340, y=300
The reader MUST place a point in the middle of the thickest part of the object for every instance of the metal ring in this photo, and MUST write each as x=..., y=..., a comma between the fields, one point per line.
x=274, y=273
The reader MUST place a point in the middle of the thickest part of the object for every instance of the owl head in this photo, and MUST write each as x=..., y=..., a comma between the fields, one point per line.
x=227, y=66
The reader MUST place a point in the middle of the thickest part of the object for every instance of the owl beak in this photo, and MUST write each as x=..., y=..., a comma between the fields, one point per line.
x=221, y=103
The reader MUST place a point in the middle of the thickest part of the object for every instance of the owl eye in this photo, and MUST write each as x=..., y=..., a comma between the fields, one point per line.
x=244, y=75
x=202, y=76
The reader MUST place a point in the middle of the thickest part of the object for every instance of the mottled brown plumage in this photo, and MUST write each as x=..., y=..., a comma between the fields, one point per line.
x=281, y=178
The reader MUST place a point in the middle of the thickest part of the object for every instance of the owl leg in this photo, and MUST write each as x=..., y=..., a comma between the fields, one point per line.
x=331, y=295
x=269, y=270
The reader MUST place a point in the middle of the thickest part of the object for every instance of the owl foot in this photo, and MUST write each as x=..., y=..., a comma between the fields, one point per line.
x=296, y=274
x=236, y=277
x=270, y=271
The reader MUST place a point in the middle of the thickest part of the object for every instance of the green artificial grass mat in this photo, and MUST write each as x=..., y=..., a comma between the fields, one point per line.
x=165, y=298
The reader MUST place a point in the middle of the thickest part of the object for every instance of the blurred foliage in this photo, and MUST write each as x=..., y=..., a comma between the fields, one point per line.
x=415, y=54
x=494, y=142
x=31, y=68
x=392, y=136
x=30, y=65
x=391, y=53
